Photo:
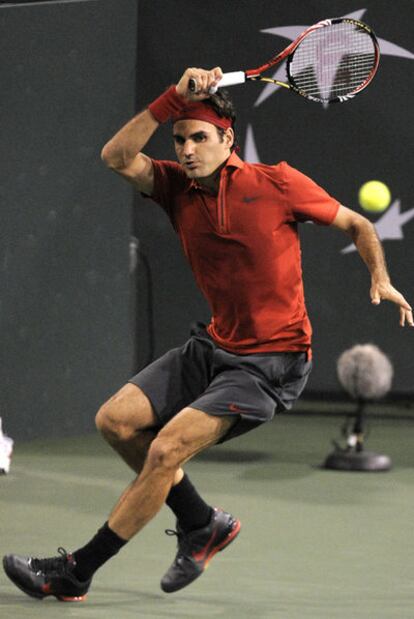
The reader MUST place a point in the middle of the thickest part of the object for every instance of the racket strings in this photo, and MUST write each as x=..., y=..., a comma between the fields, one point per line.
x=333, y=61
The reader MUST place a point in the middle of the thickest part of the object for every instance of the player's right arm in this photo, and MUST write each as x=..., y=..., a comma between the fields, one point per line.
x=123, y=152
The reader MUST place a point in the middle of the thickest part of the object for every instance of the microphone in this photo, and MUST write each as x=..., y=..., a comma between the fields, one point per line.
x=365, y=372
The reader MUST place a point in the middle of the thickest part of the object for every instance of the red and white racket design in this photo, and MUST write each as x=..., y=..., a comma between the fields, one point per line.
x=331, y=61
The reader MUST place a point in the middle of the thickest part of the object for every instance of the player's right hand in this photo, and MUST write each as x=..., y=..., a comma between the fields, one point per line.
x=204, y=80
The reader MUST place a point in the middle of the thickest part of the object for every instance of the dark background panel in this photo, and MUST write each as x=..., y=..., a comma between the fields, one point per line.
x=73, y=321
x=68, y=79
x=340, y=147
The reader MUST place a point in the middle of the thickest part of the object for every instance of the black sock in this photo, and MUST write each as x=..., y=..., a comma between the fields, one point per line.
x=191, y=511
x=104, y=545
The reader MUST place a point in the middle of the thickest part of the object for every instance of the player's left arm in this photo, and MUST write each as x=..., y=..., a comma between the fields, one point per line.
x=368, y=244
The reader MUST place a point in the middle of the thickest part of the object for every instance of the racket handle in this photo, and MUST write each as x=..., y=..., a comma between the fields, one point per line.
x=228, y=79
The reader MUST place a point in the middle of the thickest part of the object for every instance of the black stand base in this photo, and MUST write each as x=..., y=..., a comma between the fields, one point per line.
x=357, y=461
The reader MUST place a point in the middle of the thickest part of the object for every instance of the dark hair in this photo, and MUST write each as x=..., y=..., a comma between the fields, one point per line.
x=224, y=107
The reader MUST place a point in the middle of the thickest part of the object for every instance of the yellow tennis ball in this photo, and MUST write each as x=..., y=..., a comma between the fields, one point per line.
x=374, y=196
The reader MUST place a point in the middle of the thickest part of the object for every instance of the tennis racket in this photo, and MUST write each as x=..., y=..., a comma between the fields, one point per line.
x=330, y=61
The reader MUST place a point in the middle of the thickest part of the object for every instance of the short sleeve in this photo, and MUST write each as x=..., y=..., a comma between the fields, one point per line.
x=306, y=200
x=169, y=181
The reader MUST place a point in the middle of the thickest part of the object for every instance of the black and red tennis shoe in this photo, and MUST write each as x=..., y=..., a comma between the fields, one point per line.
x=42, y=577
x=55, y=576
x=197, y=548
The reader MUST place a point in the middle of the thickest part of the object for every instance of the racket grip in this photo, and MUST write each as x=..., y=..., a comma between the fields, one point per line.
x=231, y=79
x=228, y=79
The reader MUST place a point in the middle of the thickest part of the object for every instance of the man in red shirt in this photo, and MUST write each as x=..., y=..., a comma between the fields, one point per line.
x=237, y=223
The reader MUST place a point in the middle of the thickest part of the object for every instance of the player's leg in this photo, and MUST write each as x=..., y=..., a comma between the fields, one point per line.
x=185, y=435
x=188, y=433
x=251, y=388
x=197, y=545
x=128, y=423
x=171, y=383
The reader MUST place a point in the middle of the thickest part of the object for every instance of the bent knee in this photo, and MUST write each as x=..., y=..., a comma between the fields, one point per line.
x=165, y=453
x=113, y=425
x=125, y=415
x=110, y=425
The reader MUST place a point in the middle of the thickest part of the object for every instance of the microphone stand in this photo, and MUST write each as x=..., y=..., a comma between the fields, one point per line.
x=354, y=457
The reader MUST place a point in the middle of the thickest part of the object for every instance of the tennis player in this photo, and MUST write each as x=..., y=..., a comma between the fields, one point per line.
x=238, y=225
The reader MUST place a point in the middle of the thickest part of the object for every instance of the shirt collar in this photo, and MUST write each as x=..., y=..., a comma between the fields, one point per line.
x=233, y=161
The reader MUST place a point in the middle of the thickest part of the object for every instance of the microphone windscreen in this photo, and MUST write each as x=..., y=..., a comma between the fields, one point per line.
x=365, y=372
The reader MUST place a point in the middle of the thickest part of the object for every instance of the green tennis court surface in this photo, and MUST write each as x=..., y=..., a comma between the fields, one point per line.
x=314, y=544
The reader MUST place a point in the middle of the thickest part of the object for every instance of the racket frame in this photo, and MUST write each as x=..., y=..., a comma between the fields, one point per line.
x=239, y=77
x=364, y=83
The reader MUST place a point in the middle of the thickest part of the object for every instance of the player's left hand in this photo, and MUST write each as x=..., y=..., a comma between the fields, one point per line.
x=385, y=291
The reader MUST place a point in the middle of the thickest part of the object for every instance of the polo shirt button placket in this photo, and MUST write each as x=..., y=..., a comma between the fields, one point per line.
x=222, y=207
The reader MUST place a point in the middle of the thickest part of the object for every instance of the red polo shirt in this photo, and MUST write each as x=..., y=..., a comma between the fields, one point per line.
x=244, y=250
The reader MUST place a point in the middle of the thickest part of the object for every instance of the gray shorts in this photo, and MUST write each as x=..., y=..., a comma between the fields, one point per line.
x=203, y=376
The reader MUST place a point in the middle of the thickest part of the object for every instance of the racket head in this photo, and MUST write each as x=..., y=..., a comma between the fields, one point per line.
x=334, y=60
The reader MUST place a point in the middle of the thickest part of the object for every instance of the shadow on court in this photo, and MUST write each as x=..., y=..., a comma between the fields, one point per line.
x=314, y=544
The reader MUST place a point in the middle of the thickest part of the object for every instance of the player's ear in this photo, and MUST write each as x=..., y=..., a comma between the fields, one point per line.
x=229, y=137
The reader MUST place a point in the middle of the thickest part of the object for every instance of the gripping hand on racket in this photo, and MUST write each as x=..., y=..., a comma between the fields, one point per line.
x=205, y=80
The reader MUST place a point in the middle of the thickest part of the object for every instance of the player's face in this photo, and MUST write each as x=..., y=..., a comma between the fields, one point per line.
x=199, y=147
